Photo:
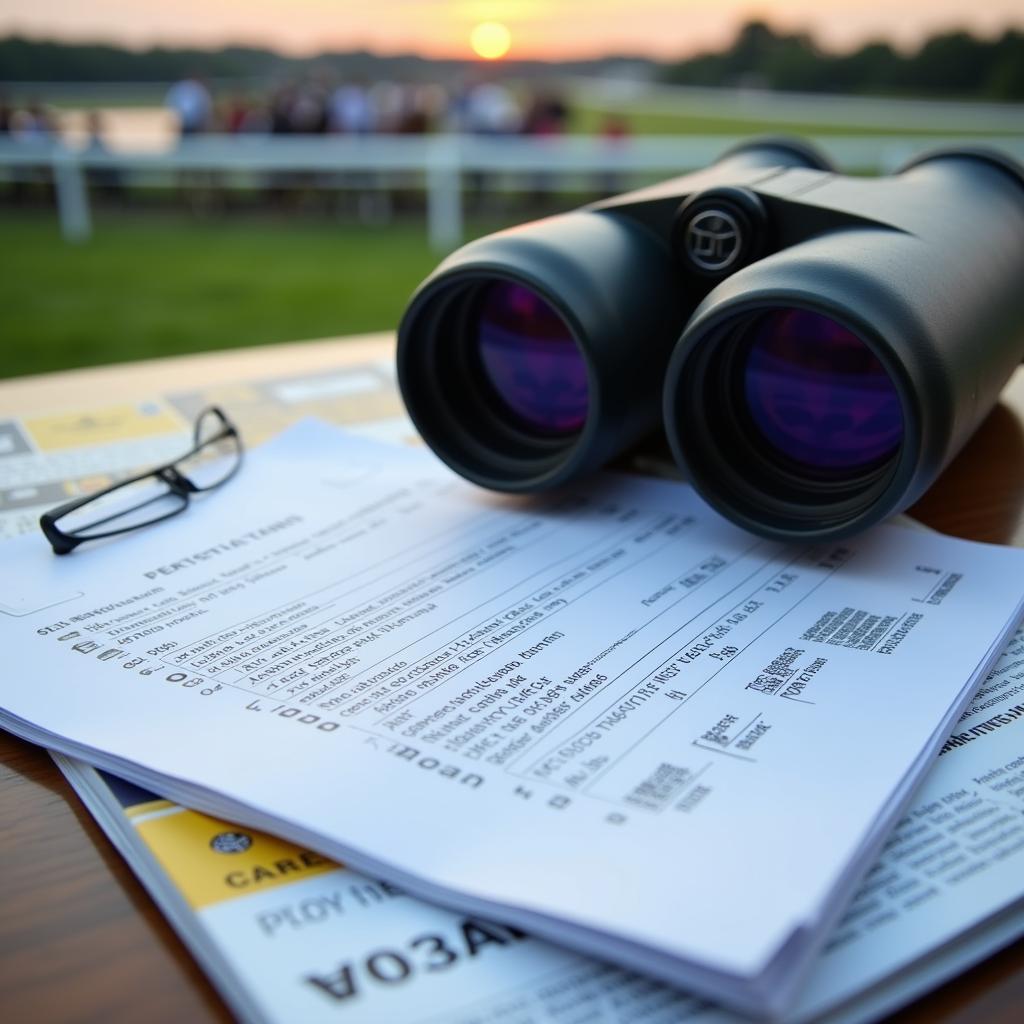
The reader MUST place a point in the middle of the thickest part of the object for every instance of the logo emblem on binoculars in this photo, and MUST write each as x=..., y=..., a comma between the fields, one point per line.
x=713, y=240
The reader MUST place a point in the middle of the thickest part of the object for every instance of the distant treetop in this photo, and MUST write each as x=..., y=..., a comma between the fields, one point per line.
x=954, y=64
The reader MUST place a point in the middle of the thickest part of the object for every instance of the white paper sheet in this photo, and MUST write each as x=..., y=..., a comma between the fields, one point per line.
x=614, y=719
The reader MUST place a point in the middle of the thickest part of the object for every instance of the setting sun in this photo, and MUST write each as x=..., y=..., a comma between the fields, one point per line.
x=490, y=40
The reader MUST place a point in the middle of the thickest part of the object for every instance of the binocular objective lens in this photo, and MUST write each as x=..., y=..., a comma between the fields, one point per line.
x=531, y=359
x=818, y=395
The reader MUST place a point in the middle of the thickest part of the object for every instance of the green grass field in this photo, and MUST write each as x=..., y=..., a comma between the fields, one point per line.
x=587, y=118
x=153, y=284
x=161, y=282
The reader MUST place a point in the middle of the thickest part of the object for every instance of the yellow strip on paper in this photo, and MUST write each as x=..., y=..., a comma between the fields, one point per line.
x=211, y=861
x=102, y=426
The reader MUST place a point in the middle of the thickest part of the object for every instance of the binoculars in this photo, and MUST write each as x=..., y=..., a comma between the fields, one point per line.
x=817, y=347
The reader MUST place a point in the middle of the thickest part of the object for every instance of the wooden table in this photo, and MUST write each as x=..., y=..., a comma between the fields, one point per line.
x=79, y=938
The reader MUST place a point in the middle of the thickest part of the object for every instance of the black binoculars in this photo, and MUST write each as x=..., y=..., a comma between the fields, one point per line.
x=816, y=346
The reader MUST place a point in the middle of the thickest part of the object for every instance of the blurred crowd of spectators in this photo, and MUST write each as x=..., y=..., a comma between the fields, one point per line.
x=319, y=106
x=31, y=122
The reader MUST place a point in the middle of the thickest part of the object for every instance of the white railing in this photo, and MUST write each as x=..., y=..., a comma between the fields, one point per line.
x=439, y=162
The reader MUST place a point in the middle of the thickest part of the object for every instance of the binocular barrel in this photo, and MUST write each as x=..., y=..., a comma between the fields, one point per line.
x=824, y=387
x=537, y=354
x=817, y=347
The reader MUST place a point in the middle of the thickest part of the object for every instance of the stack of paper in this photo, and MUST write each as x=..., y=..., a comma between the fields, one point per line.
x=286, y=935
x=610, y=718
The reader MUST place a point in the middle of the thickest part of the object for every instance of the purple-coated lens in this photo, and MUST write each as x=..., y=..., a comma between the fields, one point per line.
x=531, y=359
x=818, y=394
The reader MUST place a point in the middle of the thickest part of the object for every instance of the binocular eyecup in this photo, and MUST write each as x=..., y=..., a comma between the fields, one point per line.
x=816, y=347
x=511, y=359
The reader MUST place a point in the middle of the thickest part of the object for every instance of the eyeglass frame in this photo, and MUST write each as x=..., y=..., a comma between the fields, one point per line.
x=177, y=483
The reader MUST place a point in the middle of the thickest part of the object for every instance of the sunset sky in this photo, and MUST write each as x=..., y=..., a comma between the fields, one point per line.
x=546, y=29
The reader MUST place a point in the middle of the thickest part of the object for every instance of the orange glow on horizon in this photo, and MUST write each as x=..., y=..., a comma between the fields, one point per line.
x=542, y=29
x=490, y=40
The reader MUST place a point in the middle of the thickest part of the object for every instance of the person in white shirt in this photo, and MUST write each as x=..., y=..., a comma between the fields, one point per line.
x=191, y=102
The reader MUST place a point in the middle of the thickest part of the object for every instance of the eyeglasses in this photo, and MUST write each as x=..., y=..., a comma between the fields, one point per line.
x=150, y=497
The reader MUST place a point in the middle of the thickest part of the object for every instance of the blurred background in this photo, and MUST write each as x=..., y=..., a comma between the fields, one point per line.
x=192, y=176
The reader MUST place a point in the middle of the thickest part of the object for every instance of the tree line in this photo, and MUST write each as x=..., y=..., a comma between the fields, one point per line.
x=952, y=64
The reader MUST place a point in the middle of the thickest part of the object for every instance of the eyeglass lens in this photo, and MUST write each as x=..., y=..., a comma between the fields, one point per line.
x=126, y=508
x=216, y=455
x=217, y=452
